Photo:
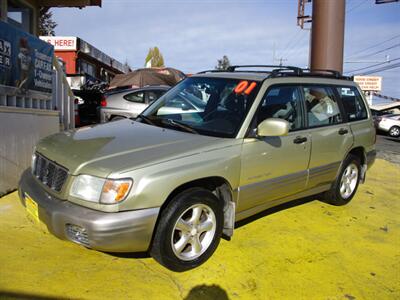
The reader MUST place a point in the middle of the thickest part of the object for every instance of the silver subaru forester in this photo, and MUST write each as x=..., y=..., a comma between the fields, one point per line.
x=172, y=182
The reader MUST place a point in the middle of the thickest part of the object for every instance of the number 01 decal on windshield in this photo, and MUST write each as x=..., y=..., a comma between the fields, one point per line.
x=245, y=87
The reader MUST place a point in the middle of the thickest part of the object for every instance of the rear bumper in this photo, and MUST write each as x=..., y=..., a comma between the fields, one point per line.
x=129, y=231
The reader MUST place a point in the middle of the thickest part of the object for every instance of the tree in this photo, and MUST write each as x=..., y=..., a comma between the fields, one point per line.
x=46, y=23
x=154, y=58
x=223, y=63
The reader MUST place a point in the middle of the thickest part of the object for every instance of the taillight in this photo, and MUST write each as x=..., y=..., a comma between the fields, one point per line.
x=103, y=102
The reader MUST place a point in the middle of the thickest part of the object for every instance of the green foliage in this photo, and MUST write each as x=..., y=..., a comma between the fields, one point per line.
x=223, y=63
x=46, y=23
x=154, y=58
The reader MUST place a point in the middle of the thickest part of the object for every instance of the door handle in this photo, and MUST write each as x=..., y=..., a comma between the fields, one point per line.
x=300, y=140
x=343, y=131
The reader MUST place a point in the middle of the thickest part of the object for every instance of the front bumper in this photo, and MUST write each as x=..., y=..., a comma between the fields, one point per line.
x=129, y=231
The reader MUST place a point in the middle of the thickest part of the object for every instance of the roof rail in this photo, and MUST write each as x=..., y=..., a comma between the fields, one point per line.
x=283, y=71
x=337, y=74
x=274, y=67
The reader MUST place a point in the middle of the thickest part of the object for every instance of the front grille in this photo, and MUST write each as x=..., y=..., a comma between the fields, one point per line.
x=49, y=173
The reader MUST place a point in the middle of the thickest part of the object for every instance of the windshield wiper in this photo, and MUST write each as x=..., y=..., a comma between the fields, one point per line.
x=178, y=124
x=145, y=118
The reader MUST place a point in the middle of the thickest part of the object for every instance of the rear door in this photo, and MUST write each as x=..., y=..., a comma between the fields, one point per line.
x=331, y=136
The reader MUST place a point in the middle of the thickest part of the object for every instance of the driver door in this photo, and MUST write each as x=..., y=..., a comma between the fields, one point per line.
x=275, y=167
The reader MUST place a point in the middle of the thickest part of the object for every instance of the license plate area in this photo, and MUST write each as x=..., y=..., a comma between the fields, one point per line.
x=32, y=207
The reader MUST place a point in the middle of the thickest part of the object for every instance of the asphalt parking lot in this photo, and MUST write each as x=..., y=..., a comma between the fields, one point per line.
x=306, y=250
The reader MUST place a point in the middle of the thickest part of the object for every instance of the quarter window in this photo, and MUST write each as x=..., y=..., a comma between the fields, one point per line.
x=283, y=103
x=137, y=97
x=321, y=106
x=353, y=103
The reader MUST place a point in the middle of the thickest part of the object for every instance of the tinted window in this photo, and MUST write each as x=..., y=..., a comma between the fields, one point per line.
x=353, y=103
x=135, y=97
x=283, y=103
x=154, y=95
x=321, y=106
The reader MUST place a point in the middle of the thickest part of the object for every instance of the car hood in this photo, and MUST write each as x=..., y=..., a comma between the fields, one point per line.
x=120, y=146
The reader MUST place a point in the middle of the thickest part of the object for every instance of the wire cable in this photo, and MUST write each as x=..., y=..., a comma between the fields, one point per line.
x=380, y=51
x=386, y=68
x=374, y=46
x=375, y=65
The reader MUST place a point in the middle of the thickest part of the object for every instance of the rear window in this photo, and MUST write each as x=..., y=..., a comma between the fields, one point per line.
x=353, y=103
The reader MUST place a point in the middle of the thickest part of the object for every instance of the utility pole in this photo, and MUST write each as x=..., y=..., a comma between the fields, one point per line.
x=327, y=35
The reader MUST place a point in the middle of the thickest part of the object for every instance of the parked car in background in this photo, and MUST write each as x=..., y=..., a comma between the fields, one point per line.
x=128, y=103
x=389, y=124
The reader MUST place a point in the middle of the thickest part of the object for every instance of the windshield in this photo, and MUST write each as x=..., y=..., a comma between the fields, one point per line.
x=208, y=106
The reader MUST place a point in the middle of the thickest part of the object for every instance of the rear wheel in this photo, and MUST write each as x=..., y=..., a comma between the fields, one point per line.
x=346, y=184
x=394, y=131
x=189, y=230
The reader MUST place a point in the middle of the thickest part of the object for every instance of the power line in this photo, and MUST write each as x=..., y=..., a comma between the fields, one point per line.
x=380, y=51
x=297, y=41
x=375, y=45
x=290, y=42
x=355, y=6
x=375, y=65
x=386, y=68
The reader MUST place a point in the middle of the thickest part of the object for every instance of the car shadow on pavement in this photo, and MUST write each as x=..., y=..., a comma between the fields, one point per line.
x=129, y=254
x=204, y=291
x=274, y=210
x=393, y=139
x=10, y=295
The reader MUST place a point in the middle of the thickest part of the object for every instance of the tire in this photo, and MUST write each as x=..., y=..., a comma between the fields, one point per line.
x=179, y=227
x=394, y=131
x=346, y=184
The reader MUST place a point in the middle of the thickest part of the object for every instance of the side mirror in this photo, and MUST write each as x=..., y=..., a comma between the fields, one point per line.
x=273, y=127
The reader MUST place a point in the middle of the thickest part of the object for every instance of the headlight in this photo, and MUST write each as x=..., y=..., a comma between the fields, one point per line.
x=33, y=162
x=100, y=190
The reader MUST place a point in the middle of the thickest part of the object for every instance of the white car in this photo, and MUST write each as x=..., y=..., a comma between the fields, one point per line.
x=390, y=124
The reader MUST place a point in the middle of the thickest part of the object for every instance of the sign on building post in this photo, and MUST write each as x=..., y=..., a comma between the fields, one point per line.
x=26, y=62
x=61, y=43
x=369, y=83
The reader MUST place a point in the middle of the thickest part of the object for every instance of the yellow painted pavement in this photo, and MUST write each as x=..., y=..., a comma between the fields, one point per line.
x=308, y=251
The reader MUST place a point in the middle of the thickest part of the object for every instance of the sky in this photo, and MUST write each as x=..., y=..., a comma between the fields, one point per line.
x=193, y=34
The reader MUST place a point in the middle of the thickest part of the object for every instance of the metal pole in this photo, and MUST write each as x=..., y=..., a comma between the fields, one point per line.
x=327, y=34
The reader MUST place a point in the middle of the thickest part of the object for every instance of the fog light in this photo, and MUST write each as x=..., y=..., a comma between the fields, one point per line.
x=77, y=234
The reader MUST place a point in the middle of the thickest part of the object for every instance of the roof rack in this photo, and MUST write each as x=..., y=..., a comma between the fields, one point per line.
x=283, y=71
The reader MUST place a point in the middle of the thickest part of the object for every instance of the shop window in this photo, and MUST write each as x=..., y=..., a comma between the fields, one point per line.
x=20, y=16
x=88, y=68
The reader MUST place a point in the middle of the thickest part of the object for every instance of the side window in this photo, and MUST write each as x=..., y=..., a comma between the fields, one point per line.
x=137, y=97
x=282, y=102
x=353, y=103
x=154, y=95
x=321, y=107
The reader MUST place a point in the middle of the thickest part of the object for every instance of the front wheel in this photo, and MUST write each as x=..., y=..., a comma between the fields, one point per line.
x=346, y=184
x=394, y=131
x=189, y=230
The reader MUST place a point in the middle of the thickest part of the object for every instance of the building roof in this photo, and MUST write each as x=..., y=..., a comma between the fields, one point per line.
x=69, y=3
x=381, y=107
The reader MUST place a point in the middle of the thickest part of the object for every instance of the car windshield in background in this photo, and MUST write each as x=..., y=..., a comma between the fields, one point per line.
x=209, y=106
